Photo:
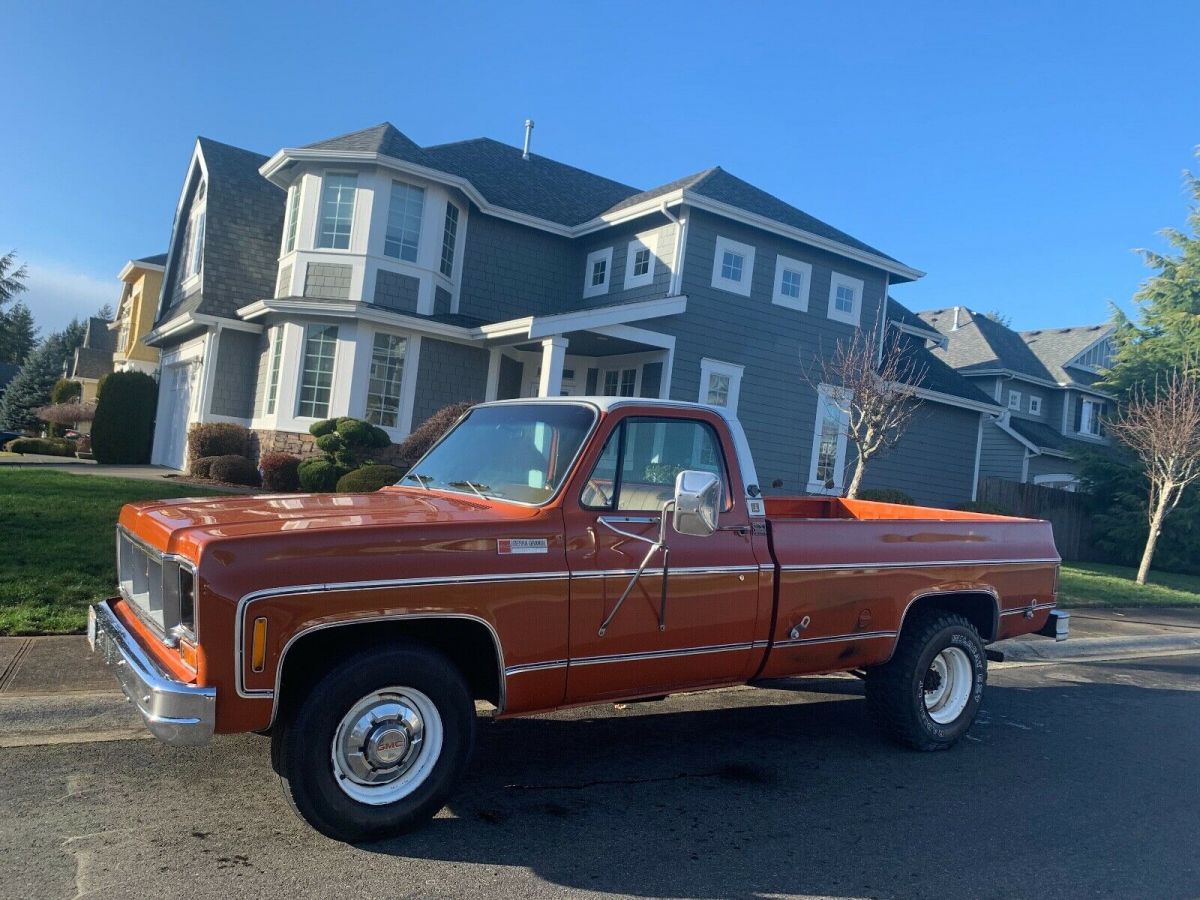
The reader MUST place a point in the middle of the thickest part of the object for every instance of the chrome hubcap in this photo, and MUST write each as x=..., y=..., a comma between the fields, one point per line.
x=386, y=745
x=948, y=685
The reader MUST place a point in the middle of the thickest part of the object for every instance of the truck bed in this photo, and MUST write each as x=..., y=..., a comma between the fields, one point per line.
x=808, y=507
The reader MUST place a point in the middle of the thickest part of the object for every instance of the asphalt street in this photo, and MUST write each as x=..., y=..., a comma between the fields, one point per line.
x=1077, y=780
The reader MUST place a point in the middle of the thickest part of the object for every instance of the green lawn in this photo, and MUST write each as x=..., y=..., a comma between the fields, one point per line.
x=57, y=546
x=1095, y=584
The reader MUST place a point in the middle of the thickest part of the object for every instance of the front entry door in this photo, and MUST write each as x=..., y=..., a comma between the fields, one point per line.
x=712, y=590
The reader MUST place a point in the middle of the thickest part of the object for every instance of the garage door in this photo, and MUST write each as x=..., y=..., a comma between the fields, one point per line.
x=179, y=399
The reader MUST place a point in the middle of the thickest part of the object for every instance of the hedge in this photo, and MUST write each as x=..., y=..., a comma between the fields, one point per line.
x=368, y=478
x=44, y=446
x=233, y=469
x=202, y=467
x=279, y=471
x=217, y=439
x=123, y=429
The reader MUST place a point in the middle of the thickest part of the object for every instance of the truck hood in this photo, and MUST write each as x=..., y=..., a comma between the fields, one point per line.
x=181, y=526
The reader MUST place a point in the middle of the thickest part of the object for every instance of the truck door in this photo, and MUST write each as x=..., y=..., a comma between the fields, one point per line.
x=613, y=512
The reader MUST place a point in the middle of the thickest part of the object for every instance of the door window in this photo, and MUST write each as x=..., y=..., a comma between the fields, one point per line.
x=637, y=469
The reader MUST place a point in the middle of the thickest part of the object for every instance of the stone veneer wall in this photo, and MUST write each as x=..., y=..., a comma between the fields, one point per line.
x=304, y=446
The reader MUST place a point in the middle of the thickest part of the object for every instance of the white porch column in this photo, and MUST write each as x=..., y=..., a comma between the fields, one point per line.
x=554, y=353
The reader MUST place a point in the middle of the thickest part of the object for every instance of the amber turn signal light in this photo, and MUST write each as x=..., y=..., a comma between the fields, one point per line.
x=258, y=650
x=187, y=653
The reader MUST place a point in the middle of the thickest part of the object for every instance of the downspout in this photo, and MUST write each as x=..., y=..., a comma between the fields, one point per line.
x=676, y=285
x=883, y=319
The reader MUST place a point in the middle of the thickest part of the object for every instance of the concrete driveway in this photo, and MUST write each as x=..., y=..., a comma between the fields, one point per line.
x=1078, y=780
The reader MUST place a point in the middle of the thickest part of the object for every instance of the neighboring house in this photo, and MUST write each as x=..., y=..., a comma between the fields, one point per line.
x=368, y=276
x=1045, y=381
x=141, y=285
x=92, y=360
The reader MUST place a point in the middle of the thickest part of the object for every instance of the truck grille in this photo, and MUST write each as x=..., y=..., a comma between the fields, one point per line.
x=150, y=582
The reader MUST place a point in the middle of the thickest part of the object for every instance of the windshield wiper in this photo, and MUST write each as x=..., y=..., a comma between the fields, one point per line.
x=420, y=479
x=476, y=488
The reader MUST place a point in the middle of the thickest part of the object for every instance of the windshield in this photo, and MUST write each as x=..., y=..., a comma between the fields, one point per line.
x=515, y=452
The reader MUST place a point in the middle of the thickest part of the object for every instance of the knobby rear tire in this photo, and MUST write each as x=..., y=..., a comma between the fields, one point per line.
x=897, y=691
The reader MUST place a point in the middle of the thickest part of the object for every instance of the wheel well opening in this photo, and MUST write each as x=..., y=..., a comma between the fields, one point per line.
x=977, y=607
x=466, y=643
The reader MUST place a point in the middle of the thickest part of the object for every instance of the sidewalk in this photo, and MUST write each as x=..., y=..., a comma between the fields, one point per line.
x=86, y=467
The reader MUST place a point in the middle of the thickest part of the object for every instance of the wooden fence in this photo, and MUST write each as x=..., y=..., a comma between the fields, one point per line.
x=1067, y=512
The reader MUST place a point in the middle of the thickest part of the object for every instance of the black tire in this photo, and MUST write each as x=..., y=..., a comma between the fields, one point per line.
x=896, y=690
x=302, y=742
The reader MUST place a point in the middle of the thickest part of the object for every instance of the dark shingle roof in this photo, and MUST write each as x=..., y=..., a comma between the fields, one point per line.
x=1055, y=346
x=898, y=312
x=158, y=259
x=98, y=337
x=90, y=363
x=982, y=344
x=687, y=182
x=384, y=138
x=938, y=376
x=536, y=186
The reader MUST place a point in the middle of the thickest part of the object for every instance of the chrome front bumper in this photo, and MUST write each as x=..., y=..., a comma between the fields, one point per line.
x=176, y=713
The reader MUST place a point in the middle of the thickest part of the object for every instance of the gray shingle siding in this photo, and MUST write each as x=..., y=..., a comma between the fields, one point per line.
x=934, y=462
x=396, y=291
x=510, y=271
x=1001, y=455
x=328, y=281
x=262, y=365
x=776, y=406
x=234, y=380
x=441, y=301
x=1051, y=465
x=448, y=373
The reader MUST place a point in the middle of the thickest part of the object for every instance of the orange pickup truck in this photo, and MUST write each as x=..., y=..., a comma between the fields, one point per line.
x=544, y=554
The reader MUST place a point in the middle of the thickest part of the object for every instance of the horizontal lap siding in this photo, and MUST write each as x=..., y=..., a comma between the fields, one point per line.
x=1051, y=465
x=448, y=373
x=661, y=236
x=1001, y=456
x=776, y=405
x=934, y=462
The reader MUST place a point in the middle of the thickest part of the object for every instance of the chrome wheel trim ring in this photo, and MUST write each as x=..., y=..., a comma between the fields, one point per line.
x=386, y=745
x=954, y=679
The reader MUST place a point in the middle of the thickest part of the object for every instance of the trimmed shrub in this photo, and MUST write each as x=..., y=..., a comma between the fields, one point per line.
x=319, y=475
x=217, y=439
x=983, y=506
x=202, y=467
x=233, y=469
x=430, y=431
x=325, y=426
x=368, y=478
x=65, y=391
x=123, y=429
x=279, y=471
x=349, y=442
x=886, y=495
x=44, y=446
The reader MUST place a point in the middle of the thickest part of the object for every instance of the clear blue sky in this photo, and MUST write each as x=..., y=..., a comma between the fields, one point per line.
x=1017, y=152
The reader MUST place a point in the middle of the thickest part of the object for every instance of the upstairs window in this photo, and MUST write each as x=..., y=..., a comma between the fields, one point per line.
x=733, y=266
x=1088, y=417
x=845, y=298
x=597, y=272
x=293, y=212
x=720, y=383
x=1035, y=405
x=449, y=238
x=1014, y=400
x=337, y=211
x=193, y=248
x=639, y=262
x=792, y=279
x=404, y=221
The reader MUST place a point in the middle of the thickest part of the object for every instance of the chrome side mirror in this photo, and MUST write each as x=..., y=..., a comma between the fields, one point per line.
x=697, y=503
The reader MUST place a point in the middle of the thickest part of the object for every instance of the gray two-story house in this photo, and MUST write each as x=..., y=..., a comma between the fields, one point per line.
x=1046, y=383
x=387, y=280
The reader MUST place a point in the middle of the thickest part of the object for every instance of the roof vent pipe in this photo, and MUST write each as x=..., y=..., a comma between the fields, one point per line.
x=528, y=135
x=956, y=309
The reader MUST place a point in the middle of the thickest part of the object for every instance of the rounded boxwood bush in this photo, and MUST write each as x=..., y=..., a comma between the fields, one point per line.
x=368, y=478
x=887, y=495
x=44, y=446
x=319, y=475
x=124, y=425
x=279, y=471
x=202, y=467
x=233, y=469
x=218, y=439
x=325, y=426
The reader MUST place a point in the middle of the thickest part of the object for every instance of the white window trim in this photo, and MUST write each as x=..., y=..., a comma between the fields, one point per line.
x=825, y=395
x=779, y=298
x=595, y=290
x=746, y=251
x=1014, y=400
x=837, y=279
x=641, y=242
x=1035, y=405
x=299, y=377
x=1094, y=404
x=709, y=367
x=316, y=234
x=618, y=370
x=291, y=223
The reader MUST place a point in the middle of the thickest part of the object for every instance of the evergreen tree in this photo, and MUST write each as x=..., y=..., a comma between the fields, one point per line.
x=32, y=385
x=18, y=335
x=1166, y=336
x=12, y=280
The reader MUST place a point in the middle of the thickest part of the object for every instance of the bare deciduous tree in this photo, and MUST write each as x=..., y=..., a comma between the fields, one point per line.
x=875, y=388
x=67, y=414
x=1163, y=428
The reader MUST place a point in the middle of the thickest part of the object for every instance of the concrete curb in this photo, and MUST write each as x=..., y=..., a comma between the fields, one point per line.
x=1093, y=648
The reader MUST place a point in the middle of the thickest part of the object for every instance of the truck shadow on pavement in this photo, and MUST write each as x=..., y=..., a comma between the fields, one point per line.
x=784, y=793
